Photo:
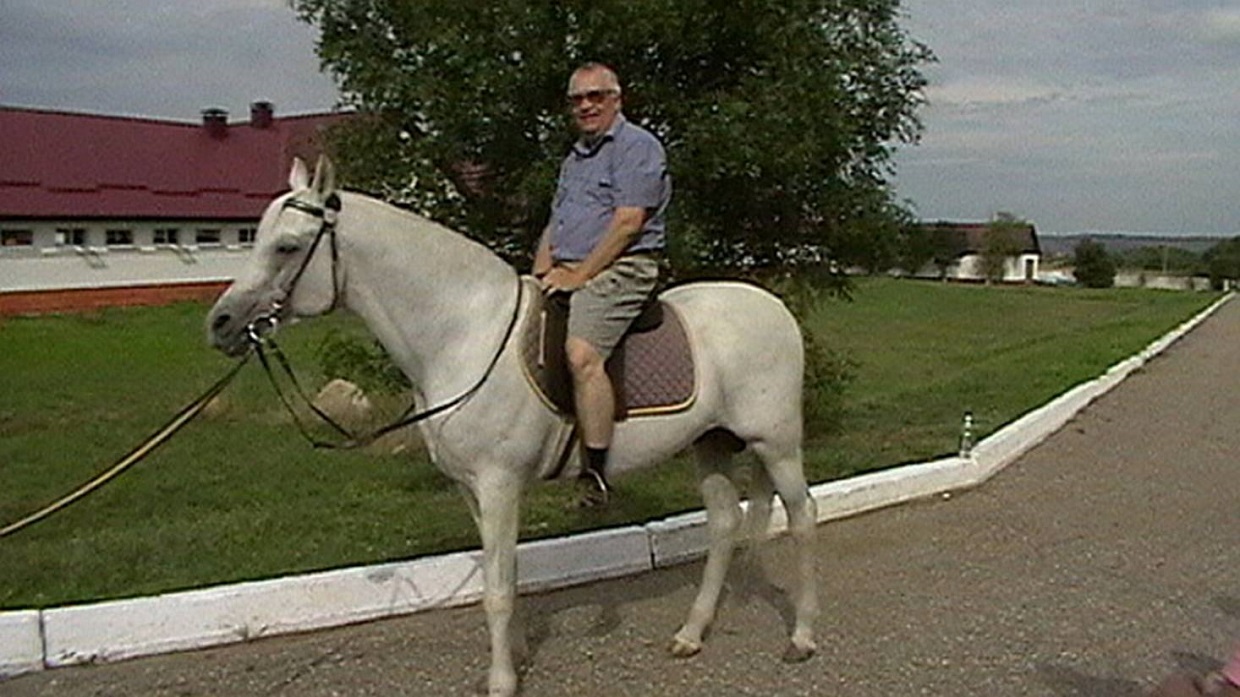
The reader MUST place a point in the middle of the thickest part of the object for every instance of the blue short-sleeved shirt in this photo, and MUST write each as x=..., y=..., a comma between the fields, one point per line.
x=625, y=167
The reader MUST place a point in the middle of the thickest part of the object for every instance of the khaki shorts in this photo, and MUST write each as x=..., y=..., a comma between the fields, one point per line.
x=602, y=310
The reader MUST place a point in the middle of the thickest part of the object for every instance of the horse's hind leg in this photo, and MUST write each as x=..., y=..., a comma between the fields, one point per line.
x=758, y=515
x=723, y=519
x=783, y=466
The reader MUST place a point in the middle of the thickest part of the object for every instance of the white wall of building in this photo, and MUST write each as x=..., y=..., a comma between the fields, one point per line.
x=1015, y=269
x=202, y=252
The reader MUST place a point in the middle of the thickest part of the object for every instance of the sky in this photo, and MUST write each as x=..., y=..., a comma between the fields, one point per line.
x=1078, y=115
x=159, y=58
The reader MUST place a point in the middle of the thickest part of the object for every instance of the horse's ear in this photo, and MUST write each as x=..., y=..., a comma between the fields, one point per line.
x=324, y=177
x=299, y=177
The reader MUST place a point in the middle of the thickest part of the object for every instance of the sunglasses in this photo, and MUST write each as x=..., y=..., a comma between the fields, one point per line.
x=591, y=96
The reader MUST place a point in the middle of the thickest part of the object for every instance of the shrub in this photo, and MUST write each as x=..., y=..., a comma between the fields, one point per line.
x=828, y=372
x=363, y=363
x=1094, y=266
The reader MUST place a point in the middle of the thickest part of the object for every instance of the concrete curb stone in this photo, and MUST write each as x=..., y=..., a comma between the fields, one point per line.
x=21, y=642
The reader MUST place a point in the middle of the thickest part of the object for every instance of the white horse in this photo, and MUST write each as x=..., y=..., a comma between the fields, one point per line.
x=443, y=307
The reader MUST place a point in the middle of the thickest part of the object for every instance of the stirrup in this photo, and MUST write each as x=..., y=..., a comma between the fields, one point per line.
x=597, y=493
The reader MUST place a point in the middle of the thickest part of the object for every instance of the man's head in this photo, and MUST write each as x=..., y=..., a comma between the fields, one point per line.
x=594, y=96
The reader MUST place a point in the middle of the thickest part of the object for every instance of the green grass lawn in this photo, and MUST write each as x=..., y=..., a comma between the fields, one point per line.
x=927, y=352
x=239, y=495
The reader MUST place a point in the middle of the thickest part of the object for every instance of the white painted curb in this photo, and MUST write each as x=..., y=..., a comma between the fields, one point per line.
x=21, y=642
x=33, y=639
x=568, y=561
x=224, y=614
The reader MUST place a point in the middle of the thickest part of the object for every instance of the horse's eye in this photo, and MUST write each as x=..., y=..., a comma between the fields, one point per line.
x=287, y=248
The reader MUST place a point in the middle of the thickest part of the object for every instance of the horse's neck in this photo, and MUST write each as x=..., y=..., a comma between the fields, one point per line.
x=438, y=302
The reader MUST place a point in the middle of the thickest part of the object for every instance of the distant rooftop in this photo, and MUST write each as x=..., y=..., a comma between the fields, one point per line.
x=970, y=238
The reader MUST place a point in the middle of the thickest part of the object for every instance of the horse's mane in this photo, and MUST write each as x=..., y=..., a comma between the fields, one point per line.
x=419, y=224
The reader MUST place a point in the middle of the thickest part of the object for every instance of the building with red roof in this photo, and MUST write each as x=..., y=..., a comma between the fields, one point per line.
x=124, y=210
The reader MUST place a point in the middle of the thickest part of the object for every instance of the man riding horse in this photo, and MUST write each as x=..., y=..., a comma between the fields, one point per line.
x=602, y=245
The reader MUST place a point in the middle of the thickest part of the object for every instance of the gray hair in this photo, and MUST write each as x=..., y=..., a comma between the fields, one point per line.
x=609, y=75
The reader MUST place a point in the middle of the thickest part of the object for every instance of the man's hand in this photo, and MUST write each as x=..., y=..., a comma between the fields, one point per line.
x=562, y=279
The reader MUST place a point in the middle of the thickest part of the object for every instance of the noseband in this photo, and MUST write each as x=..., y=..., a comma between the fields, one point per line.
x=265, y=324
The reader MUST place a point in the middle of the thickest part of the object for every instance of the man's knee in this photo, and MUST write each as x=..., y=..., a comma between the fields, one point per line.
x=583, y=359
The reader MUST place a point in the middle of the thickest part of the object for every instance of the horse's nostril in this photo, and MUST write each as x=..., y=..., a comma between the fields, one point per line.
x=220, y=321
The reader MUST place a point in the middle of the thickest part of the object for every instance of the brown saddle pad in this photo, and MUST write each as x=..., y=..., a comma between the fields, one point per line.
x=651, y=371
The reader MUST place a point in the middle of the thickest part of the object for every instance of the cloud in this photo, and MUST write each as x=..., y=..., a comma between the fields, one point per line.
x=991, y=91
x=1222, y=25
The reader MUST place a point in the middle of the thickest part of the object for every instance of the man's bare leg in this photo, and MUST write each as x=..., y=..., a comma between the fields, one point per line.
x=594, y=399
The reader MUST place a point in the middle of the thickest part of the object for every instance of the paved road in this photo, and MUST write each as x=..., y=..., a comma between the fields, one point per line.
x=1098, y=562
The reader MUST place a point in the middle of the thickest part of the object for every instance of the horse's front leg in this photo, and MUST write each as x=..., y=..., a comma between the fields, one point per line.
x=498, y=515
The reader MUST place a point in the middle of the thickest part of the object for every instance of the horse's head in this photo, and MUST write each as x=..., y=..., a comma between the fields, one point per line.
x=291, y=271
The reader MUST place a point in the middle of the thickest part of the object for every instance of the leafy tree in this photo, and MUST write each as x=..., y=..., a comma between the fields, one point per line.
x=1002, y=242
x=1223, y=262
x=919, y=244
x=780, y=116
x=1094, y=266
x=877, y=246
x=914, y=248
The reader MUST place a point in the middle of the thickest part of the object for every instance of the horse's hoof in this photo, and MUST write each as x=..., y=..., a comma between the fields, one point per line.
x=799, y=653
x=503, y=686
x=504, y=691
x=683, y=648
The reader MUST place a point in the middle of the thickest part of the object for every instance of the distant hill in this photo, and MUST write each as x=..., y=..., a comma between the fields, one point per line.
x=1055, y=245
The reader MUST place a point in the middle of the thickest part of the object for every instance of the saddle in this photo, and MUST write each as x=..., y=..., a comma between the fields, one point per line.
x=651, y=370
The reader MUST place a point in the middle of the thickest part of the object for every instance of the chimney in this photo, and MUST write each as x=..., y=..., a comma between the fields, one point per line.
x=262, y=114
x=215, y=122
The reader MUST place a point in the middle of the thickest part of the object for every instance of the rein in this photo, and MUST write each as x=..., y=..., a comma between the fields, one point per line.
x=259, y=332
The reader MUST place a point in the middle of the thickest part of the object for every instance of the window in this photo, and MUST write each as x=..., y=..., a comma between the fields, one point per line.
x=70, y=237
x=118, y=237
x=166, y=235
x=207, y=236
x=247, y=235
x=16, y=238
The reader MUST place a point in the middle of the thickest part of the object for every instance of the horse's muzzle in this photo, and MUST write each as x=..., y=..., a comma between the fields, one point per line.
x=243, y=316
x=223, y=334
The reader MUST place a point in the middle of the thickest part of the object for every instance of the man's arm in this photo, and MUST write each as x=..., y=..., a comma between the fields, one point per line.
x=626, y=227
x=542, y=254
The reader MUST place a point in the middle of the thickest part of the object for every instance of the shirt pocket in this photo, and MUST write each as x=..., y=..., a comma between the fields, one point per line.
x=602, y=191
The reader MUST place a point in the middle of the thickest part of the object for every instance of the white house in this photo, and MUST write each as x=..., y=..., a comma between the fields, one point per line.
x=959, y=250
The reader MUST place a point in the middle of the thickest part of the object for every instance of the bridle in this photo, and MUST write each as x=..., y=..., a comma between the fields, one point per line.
x=260, y=330
x=265, y=324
